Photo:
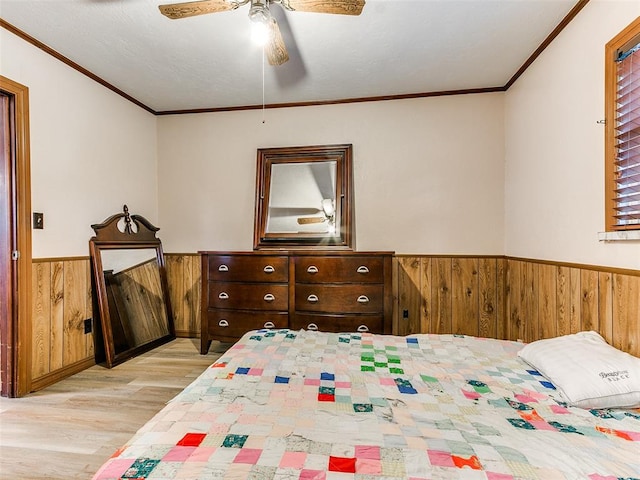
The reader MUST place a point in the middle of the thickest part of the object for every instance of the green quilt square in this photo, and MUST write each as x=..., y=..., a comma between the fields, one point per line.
x=234, y=441
x=362, y=407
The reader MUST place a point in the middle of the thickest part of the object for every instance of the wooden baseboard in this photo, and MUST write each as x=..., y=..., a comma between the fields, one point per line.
x=187, y=334
x=64, y=372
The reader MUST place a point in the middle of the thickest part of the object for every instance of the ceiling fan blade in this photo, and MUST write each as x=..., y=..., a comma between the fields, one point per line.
x=276, y=49
x=306, y=220
x=292, y=211
x=340, y=7
x=191, y=9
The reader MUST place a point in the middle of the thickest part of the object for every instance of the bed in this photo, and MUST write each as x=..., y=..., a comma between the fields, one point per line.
x=303, y=405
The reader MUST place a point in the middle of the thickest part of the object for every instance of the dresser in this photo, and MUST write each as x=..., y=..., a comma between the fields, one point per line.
x=328, y=291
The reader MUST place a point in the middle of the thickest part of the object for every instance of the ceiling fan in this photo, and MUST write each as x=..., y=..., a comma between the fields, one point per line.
x=328, y=211
x=259, y=13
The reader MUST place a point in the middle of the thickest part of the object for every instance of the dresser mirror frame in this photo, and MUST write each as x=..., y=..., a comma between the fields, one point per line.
x=133, y=313
x=323, y=174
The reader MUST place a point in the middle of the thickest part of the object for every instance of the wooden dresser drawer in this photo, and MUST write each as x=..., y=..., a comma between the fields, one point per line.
x=345, y=269
x=248, y=296
x=338, y=323
x=230, y=323
x=246, y=268
x=339, y=298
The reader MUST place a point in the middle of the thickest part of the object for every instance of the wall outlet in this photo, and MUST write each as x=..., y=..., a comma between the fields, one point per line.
x=87, y=326
x=405, y=314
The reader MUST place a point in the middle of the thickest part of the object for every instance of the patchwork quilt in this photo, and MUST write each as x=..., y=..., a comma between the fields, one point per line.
x=299, y=405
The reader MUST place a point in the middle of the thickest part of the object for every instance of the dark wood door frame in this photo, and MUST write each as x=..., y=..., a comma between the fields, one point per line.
x=15, y=241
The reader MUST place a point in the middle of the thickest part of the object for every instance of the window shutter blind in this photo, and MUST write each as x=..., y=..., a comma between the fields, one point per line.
x=627, y=144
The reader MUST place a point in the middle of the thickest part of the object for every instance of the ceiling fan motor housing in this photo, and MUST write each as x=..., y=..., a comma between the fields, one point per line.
x=259, y=11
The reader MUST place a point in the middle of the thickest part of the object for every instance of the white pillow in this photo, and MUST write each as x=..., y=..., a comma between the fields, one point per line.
x=588, y=372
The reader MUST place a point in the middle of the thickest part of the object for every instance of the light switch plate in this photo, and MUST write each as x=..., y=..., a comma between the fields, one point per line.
x=38, y=221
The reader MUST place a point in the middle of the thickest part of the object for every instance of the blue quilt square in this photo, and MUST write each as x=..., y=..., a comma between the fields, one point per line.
x=327, y=376
x=412, y=340
x=242, y=370
x=281, y=379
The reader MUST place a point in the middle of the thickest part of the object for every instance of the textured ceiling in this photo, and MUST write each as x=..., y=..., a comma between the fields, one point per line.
x=395, y=47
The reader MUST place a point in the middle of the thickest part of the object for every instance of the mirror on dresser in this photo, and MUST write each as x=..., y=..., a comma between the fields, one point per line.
x=304, y=198
x=133, y=314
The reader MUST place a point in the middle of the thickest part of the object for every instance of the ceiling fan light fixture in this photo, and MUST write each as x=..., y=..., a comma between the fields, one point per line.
x=260, y=33
x=260, y=21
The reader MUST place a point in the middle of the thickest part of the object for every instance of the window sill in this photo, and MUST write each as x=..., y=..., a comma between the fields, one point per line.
x=620, y=236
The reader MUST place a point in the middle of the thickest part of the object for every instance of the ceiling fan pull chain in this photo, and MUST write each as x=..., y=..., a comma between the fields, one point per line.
x=263, y=84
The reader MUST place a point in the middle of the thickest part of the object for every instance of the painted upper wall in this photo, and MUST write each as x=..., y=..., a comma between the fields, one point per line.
x=91, y=150
x=554, y=150
x=428, y=173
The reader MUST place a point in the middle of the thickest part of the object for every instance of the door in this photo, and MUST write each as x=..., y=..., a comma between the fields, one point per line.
x=15, y=240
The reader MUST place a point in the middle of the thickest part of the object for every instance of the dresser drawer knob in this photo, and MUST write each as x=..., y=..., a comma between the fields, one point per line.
x=362, y=269
x=363, y=328
x=223, y=296
x=312, y=269
x=312, y=327
x=363, y=299
x=268, y=269
x=223, y=268
x=223, y=323
x=312, y=298
x=269, y=325
x=269, y=297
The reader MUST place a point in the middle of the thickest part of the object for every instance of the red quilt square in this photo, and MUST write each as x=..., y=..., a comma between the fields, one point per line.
x=471, y=462
x=342, y=464
x=326, y=397
x=191, y=439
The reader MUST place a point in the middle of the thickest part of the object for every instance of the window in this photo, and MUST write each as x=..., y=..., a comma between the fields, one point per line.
x=622, y=141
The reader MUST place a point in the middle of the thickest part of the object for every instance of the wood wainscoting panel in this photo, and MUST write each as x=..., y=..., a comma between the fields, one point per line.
x=462, y=295
x=465, y=307
x=61, y=301
x=589, y=300
x=515, y=299
x=563, y=300
x=57, y=315
x=605, y=305
x=547, y=302
x=183, y=277
x=41, y=319
x=626, y=313
x=75, y=311
x=441, y=296
x=409, y=295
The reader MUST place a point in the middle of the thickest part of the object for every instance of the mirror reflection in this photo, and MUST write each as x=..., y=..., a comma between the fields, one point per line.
x=303, y=198
x=134, y=291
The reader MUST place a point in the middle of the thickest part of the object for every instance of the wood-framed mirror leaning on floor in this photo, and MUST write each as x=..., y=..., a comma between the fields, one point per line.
x=133, y=313
x=304, y=198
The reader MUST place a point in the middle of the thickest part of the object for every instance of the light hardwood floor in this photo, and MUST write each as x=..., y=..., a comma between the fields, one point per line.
x=68, y=430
